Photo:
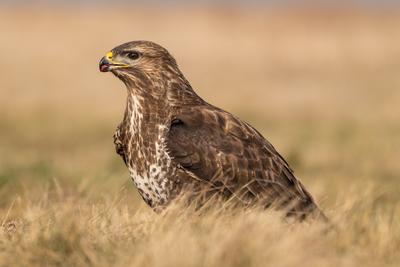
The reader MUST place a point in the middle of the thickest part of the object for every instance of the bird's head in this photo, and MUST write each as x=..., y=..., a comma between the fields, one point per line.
x=138, y=59
x=148, y=68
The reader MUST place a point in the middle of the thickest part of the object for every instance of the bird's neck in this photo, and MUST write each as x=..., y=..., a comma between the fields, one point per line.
x=144, y=112
x=155, y=100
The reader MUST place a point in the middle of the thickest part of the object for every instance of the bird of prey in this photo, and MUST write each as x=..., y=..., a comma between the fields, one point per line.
x=174, y=142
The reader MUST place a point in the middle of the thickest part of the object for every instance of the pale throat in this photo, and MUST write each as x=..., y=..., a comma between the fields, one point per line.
x=146, y=114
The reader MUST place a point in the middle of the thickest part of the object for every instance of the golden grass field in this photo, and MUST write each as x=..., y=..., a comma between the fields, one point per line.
x=322, y=86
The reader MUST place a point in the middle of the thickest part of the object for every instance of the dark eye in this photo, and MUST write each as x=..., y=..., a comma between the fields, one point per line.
x=133, y=55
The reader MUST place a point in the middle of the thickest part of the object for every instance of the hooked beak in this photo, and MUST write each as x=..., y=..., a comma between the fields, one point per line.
x=107, y=63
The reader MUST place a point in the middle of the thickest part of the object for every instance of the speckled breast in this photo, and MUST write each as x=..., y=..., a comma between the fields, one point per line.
x=150, y=166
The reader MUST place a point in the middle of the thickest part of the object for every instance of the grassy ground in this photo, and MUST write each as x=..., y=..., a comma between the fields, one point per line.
x=323, y=87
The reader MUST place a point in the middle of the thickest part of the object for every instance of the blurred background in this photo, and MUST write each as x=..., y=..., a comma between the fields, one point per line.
x=319, y=79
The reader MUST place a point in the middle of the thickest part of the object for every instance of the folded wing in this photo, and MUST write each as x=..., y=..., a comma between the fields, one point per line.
x=229, y=154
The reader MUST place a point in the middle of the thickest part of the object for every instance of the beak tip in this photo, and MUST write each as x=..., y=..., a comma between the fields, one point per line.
x=104, y=65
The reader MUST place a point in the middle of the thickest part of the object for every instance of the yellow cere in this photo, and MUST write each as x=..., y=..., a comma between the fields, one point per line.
x=109, y=55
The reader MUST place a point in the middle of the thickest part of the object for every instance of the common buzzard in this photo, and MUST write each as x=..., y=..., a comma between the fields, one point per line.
x=174, y=142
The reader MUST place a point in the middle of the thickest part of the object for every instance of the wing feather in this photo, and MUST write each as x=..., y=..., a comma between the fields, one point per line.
x=217, y=147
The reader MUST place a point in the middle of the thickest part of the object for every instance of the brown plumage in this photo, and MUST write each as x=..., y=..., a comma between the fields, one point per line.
x=174, y=142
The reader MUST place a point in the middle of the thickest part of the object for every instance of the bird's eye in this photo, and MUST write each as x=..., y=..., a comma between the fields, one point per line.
x=133, y=55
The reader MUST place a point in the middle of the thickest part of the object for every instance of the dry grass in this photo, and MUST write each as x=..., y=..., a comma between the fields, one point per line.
x=63, y=229
x=322, y=86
